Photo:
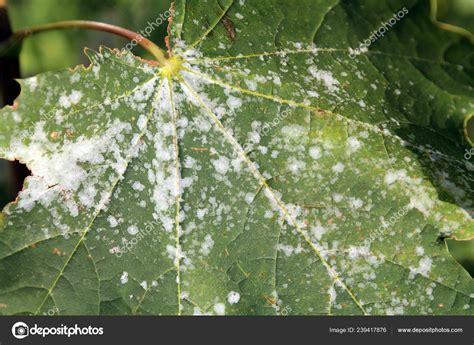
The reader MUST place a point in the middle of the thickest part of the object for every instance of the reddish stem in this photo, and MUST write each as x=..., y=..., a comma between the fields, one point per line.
x=87, y=24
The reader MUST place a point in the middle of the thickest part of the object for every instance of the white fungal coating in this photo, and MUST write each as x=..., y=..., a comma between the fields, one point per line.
x=210, y=175
x=233, y=297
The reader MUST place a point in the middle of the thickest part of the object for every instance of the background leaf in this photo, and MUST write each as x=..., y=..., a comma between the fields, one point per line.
x=257, y=179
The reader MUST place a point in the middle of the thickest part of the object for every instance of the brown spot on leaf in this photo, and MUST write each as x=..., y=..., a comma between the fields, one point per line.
x=270, y=300
x=229, y=26
x=57, y=252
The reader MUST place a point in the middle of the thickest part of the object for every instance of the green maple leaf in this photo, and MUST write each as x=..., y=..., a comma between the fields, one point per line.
x=266, y=169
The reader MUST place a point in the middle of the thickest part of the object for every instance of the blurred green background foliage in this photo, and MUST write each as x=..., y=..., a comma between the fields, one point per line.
x=60, y=49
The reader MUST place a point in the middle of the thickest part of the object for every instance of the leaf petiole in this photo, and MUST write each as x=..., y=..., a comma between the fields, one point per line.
x=93, y=25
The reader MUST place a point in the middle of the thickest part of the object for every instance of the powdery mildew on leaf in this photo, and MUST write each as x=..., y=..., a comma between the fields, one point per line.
x=269, y=173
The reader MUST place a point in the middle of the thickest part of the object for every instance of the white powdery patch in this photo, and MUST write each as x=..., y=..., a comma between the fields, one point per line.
x=141, y=122
x=357, y=251
x=422, y=202
x=68, y=165
x=268, y=214
x=424, y=268
x=295, y=165
x=429, y=290
x=32, y=83
x=64, y=101
x=233, y=297
x=337, y=197
x=16, y=116
x=355, y=203
x=289, y=250
x=249, y=198
x=221, y=165
x=338, y=168
x=251, y=84
x=164, y=175
x=198, y=312
x=207, y=245
x=398, y=310
x=318, y=231
x=132, y=230
x=353, y=144
x=174, y=253
x=234, y=103
x=290, y=213
x=112, y=221
x=393, y=176
x=182, y=48
x=124, y=278
x=139, y=98
x=37, y=190
x=326, y=77
x=200, y=213
x=416, y=189
x=315, y=152
x=138, y=186
x=293, y=131
x=219, y=308
x=87, y=195
x=73, y=98
x=332, y=294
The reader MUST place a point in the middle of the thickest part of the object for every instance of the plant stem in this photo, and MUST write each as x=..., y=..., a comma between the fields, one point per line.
x=446, y=26
x=87, y=24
